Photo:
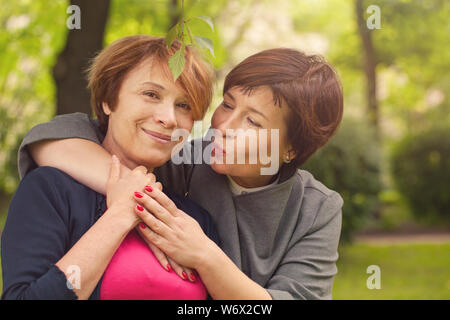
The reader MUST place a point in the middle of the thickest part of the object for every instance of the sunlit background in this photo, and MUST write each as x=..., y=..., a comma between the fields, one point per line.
x=390, y=159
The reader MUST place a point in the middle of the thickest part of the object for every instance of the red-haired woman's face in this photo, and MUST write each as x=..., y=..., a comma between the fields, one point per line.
x=252, y=112
x=150, y=107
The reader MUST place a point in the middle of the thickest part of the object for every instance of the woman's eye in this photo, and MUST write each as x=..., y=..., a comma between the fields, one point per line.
x=184, y=106
x=151, y=94
x=226, y=106
x=254, y=123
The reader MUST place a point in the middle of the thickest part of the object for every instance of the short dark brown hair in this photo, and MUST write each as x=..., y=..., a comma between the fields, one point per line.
x=309, y=87
x=110, y=66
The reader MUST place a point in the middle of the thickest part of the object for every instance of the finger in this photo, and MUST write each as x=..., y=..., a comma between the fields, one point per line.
x=158, y=185
x=156, y=225
x=140, y=170
x=160, y=256
x=165, y=260
x=161, y=198
x=178, y=269
x=151, y=178
x=154, y=185
x=190, y=274
x=152, y=237
x=114, y=172
x=154, y=207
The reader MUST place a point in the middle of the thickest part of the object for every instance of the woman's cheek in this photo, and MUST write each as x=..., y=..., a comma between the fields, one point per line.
x=217, y=118
x=185, y=124
x=214, y=120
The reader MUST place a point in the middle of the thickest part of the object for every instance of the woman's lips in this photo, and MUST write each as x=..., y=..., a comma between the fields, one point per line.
x=215, y=147
x=158, y=137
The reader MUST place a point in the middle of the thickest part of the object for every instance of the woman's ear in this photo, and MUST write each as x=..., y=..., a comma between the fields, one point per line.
x=106, y=108
x=289, y=155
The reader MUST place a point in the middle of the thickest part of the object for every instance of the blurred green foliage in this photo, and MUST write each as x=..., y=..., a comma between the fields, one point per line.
x=129, y=17
x=421, y=171
x=412, y=49
x=349, y=164
x=30, y=35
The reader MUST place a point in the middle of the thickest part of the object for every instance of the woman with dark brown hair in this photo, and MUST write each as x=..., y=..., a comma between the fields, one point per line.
x=279, y=229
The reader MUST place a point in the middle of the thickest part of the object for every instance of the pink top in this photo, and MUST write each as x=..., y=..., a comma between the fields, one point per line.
x=134, y=273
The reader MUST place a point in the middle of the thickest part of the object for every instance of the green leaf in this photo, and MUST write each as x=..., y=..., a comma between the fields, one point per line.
x=205, y=43
x=191, y=38
x=172, y=34
x=176, y=63
x=208, y=20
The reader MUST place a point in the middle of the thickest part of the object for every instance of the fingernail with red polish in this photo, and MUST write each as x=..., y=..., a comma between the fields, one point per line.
x=184, y=275
x=148, y=188
x=168, y=268
x=138, y=194
x=142, y=225
x=140, y=208
x=192, y=277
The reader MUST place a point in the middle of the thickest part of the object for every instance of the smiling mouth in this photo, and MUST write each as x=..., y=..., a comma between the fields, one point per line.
x=158, y=137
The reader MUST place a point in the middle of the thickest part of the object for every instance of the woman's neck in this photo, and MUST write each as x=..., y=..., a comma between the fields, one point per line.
x=254, y=182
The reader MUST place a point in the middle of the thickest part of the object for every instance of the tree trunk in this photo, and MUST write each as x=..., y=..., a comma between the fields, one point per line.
x=81, y=45
x=370, y=64
x=174, y=13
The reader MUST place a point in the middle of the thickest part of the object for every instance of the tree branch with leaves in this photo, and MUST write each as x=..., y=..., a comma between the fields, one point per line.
x=182, y=32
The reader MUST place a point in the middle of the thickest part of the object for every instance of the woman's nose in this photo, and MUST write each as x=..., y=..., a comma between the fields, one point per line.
x=228, y=126
x=166, y=116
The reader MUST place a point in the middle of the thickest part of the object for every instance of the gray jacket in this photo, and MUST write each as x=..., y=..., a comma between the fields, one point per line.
x=284, y=237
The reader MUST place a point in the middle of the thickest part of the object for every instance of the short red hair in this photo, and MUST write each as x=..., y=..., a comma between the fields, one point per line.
x=109, y=67
x=309, y=87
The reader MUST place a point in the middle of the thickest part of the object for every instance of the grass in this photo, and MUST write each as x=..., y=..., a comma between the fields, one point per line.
x=408, y=271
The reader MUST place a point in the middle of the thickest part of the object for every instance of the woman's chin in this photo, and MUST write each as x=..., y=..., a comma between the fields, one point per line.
x=152, y=159
x=220, y=168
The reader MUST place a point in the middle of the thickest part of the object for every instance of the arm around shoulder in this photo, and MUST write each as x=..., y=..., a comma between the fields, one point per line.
x=75, y=125
x=70, y=143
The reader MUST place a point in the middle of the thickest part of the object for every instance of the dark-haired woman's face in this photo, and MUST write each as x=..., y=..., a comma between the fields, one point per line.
x=150, y=107
x=250, y=113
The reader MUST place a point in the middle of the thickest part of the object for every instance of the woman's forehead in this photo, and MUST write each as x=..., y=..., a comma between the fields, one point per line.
x=258, y=97
x=152, y=72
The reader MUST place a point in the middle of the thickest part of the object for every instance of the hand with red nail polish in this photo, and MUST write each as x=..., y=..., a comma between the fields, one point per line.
x=174, y=232
x=119, y=188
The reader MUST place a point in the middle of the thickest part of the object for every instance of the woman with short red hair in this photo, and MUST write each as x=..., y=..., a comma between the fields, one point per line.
x=63, y=240
x=279, y=232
